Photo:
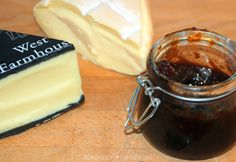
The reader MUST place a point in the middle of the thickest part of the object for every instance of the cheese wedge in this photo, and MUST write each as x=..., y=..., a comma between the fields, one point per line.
x=39, y=80
x=116, y=34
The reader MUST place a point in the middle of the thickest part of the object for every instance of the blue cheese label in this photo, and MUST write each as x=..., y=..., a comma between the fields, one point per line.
x=20, y=51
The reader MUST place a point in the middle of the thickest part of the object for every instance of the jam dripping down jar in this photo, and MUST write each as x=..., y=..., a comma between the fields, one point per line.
x=186, y=102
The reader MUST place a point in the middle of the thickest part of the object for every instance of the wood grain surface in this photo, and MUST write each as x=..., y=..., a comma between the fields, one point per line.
x=94, y=132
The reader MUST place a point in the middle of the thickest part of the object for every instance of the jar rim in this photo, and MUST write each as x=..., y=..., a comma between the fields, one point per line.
x=197, y=90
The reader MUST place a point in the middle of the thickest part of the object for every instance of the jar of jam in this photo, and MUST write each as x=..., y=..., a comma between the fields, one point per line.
x=186, y=102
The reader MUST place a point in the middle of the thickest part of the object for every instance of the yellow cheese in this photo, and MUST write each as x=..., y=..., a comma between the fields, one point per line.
x=116, y=34
x=39, y=80
x=25, y=97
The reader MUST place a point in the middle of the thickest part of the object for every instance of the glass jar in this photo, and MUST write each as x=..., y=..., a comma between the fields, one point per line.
x=179, y=118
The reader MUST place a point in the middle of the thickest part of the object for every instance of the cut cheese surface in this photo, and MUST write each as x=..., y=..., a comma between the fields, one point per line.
x=116, y=34
x=39, y=80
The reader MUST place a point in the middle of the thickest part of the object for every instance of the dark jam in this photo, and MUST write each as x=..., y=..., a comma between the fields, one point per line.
x=190, y=74
x=185, y=129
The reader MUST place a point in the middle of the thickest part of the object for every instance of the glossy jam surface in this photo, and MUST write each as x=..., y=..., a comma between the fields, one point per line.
x=194, y=65
x=190, y=74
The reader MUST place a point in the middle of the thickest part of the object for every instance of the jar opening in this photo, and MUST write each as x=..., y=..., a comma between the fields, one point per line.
x=196, y=60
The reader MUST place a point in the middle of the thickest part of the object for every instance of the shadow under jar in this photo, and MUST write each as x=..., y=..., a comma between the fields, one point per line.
x=186, y=102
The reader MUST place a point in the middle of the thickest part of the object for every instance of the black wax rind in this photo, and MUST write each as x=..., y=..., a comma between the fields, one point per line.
x=41, y=121
x=20, y=51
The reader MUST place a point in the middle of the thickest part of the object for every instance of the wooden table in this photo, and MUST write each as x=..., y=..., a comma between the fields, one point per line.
x=94, y=132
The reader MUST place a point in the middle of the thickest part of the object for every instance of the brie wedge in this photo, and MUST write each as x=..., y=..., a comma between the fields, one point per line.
x=116, y=34
x=39, y=80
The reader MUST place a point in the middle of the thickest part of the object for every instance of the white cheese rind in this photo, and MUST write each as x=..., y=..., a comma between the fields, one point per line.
x=99, y=33
x=39, y=91
x=126, y=14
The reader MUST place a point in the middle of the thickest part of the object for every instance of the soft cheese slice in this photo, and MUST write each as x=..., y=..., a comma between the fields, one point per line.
x=39, y=80
x=116, y=34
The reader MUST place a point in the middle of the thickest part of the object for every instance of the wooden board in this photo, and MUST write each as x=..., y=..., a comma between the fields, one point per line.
x=94, y=132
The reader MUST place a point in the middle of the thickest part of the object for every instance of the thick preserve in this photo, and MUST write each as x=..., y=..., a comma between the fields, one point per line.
x=184, y=128
x=192, y=133
x=191, y=74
